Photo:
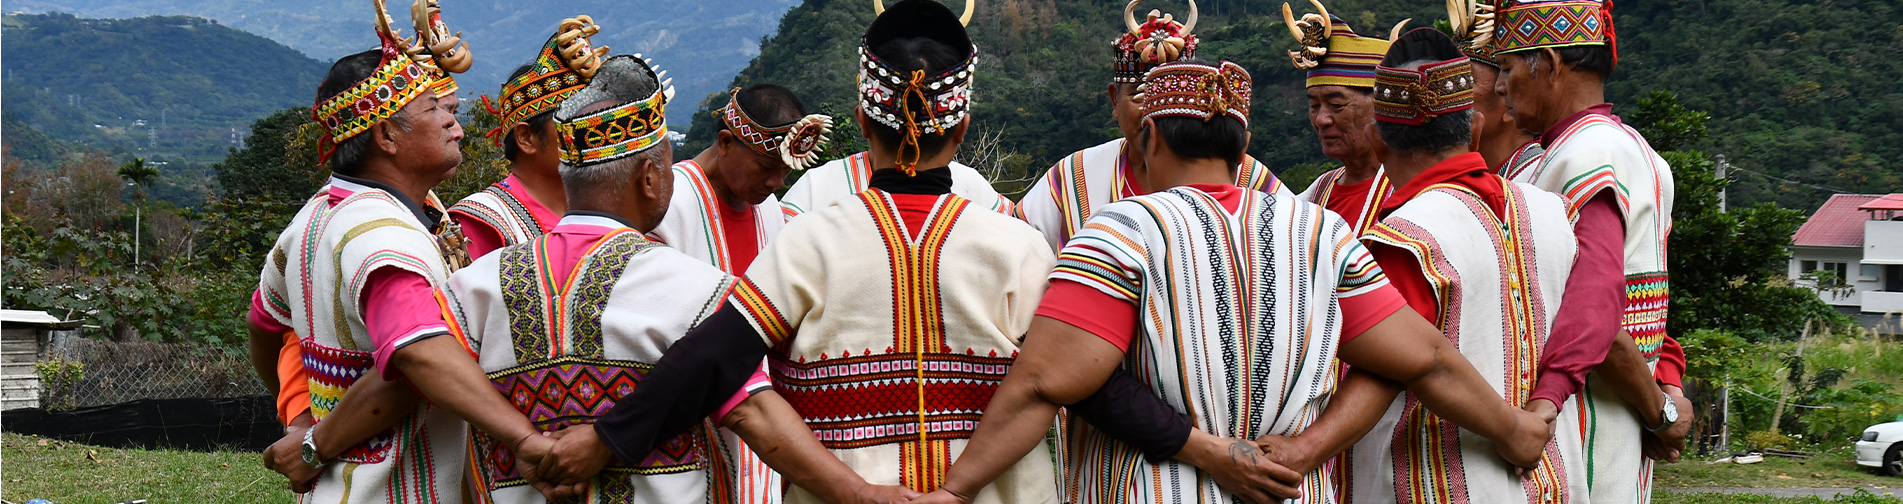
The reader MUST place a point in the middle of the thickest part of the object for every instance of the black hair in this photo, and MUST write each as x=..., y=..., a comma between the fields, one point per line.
x=1421, y=46
x=1222, y=137
x=1595, y=59
x=770, y=105
x=348, y=156
x=536, y=122
x=906, y=55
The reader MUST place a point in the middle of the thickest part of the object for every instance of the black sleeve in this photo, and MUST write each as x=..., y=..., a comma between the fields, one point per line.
x=696, y=375
x=1126, y=409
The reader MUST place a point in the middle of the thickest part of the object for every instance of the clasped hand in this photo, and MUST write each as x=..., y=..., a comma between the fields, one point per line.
x=559, y=464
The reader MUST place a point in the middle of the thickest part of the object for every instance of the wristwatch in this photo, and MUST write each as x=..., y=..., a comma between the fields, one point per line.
x=1668, y=417
x=309, y=448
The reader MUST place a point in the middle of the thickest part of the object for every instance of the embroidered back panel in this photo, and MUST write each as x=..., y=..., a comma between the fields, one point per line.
x=1504, y=295
x=563, y=378
x=500, y=209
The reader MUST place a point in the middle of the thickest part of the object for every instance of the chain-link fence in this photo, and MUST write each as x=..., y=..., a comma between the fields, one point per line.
x=78, y=372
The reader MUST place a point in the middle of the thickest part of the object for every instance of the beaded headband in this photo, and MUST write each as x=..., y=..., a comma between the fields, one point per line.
x=394, y=84
x=797, y=143
x=1197, y=90
x=1415, y=97
x=1471, y=24
x=1527, y=25
x=618, y=132
x=1160, y=39
x=887, y=93
x=1332, y=53
x=565, y=65
x=435, y=49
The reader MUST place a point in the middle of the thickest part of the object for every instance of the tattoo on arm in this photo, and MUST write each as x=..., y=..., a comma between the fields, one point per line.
x=1243, y=453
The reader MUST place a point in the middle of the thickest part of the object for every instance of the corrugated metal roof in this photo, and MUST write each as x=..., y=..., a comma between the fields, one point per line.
x=1890, y=202
x=1839, y=223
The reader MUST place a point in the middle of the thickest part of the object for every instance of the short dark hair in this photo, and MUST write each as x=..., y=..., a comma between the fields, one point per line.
x=1596, y=59
x=1222, y=137
x=906, y=55
x=1422, y=46
x=770, y=105
x=348, y=155
x=536, y=122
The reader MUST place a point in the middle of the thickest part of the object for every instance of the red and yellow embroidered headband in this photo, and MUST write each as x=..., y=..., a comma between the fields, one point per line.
x=564, y=66
x=396, y=81
x=1415, y=97
x=1534, y=24
x=1197, y=90
x=797, y=144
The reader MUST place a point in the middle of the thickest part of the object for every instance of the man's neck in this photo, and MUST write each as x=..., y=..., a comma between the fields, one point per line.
x=1498, y=149
x=709, y=161
x=413, y=186
x=622, y=209
x=1133, y=160
x=882, y=158
x=1184, y=172
x=1576, y=93
x=1359, y=168
x=543, y=184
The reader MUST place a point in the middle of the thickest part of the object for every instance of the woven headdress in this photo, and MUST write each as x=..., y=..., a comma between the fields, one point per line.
x=1158, y=40
x=911, y=102
x=620, y=131
x=1332, y=53
x=1472, y=27
x=436, y=49
x=1198, y=90
x=1534, y=24
x=1416, y=97
x=396, y=81
x=796, y=143
x=565, y=65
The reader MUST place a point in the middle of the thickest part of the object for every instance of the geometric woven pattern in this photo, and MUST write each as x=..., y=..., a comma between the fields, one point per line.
x=1413, y=97
x=1646, y=297
x=549, y=80
x=611, y=134
x=557, y=393
x=1198, y=90
x=860, y=401
x=332, y=371
x=1526, y=26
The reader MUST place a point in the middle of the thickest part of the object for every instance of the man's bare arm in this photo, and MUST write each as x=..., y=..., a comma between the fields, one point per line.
x=444, y=372
x=1407, y=349
x=776, y=432
x=371, y=405
x=1625, y=371
x=264, y=355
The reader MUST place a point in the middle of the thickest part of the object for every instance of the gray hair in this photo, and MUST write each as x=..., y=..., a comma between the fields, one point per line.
x=621, y=79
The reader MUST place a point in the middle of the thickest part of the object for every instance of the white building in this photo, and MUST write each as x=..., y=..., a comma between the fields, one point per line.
x=1859, y=237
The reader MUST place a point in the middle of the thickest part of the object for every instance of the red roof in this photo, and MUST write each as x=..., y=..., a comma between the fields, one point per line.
x=1890, y=202
x=1839, y=223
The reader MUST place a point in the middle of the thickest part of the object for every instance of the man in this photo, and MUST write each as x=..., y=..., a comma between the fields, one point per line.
x=567, y=323
x=1247, y=346
x=1554, y=60
x=850, y=329
x=1487, y=259
x=529, y=201
x=1340, y=66
x=1506, y=148
x=723, y=212
x=355, y=275
x=1063, y=199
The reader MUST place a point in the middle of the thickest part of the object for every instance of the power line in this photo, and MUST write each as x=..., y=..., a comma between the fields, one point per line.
x=1787, y=181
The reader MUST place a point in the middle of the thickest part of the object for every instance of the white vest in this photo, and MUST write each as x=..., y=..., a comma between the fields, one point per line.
x=1059, y=203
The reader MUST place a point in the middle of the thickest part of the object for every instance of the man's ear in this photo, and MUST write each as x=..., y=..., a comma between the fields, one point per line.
x=527, y=140
x=384, y=134
x=1152, y=142
x=864, y=121
x=1111, y=90
x=957, y=133
x=1551, y=68
x=1379, y=145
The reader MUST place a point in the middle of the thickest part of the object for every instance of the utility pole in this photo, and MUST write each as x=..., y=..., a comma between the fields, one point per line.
x=1722, y=164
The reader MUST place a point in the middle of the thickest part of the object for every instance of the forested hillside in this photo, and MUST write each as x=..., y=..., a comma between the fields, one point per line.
x=1799, y=90
x=161, y=87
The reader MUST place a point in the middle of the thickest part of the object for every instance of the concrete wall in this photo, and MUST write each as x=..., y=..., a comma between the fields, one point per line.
x=1883, y=242
x=1856, y=278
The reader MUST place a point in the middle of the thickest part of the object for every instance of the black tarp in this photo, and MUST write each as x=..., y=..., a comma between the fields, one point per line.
x=244, y=423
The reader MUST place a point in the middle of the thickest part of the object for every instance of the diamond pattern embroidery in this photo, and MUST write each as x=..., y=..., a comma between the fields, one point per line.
x=1528, y=27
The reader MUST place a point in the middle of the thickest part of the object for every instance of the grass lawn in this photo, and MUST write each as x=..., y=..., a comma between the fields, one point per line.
x=1670, y=497
x=67, y=473
x=1829, y=469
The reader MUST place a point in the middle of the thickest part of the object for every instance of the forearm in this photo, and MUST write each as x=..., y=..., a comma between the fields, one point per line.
x=371, y=405
x=1455, y=391
x=1127, y=410
x=692, y=380
x=1626, y=372
x=774, y=431
x=1594, y=302
x=442, y=370
x=264, y=349
x=1358, y=404
x=1013, y=424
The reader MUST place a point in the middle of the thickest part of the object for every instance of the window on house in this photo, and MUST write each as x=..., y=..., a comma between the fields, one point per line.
x=1806, y=266
x=1842, y=270
x=1869, y=272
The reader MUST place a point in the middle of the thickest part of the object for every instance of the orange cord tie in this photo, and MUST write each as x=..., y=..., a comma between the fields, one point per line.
x=915, y=85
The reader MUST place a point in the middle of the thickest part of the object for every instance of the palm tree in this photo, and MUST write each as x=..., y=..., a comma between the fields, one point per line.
x=140, y=176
